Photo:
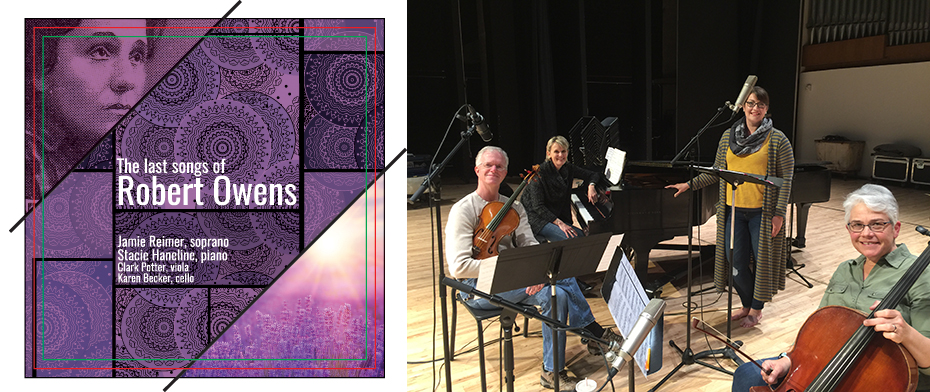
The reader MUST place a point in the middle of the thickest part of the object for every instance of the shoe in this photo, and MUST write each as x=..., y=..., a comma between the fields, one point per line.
x=584, y=286
x=566, y=382
x=608, y=335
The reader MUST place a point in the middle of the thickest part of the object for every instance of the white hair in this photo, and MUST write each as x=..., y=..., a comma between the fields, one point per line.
x=480, y=156
x=876, y=198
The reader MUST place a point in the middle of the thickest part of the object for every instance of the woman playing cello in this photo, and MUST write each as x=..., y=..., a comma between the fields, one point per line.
x=872, y=223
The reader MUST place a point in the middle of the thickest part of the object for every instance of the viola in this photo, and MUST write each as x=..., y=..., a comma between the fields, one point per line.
x=498, y=220
x=835, y=352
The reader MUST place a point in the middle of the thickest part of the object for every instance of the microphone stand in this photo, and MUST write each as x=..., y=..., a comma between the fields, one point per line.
x=448, y=352
x=688, y=357
x=555, y=260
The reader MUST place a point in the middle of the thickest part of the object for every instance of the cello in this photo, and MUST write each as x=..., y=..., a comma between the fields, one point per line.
x=498, y=220
x=835, y=352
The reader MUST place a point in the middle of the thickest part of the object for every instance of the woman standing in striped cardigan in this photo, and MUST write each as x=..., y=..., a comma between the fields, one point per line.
x=751, y=146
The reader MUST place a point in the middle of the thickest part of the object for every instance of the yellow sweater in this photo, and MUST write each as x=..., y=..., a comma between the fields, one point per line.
x=748, y=195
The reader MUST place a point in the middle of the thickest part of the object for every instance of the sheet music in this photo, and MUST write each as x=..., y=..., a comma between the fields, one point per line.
x=486, y=274
x=627, y=301
x=615, y=160
x=612, y=247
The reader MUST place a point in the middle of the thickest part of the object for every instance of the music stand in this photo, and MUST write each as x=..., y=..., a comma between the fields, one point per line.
x=734, y=179
x=688, y=357
x=523, y=267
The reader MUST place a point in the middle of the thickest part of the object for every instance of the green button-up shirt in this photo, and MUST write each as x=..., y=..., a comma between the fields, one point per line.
x=848, y=288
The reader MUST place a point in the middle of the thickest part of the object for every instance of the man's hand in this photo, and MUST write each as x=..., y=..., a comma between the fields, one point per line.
x=532, y=290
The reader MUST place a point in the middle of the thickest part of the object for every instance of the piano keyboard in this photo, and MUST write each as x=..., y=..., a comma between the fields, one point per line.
x=580, y=208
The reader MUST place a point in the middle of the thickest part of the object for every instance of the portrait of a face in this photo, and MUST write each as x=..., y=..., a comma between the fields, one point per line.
x=97, y=77
x=84, y=75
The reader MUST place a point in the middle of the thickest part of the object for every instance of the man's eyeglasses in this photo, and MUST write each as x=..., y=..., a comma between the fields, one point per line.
x=751, y=104
x=876, y=227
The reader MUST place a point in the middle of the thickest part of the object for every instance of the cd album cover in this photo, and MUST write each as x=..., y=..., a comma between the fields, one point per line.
x=204, y=197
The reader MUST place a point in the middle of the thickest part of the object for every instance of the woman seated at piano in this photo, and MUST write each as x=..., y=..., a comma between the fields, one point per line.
x=751, y=145
x=548, y=199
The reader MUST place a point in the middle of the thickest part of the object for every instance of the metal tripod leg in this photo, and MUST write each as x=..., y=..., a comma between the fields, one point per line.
x=794, y=269
x=690, y=358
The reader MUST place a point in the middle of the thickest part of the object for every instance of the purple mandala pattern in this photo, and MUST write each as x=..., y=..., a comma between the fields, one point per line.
x=329, y=146
x=224, y=130
x=293, y=111
x=141, y=141
x=237, y=26
x=85, y=267
x=92, y=211
x=226, y=304
x=236, y=226
x=148, y=332
x=195, y=80
x=342, y=35
x=250, y=278
x=281, y=129
x=280, y=52
x=101, y=158
x=236, y=52
x=74, y=316
x=369, y=153
x=262, y=79
x=190, y=322
x=126, y=222
x=282, y=229
x=55, y=212
x=162, y=296
x=260, y=259
x=327, y=195
x=341, y=86
x=277, y=26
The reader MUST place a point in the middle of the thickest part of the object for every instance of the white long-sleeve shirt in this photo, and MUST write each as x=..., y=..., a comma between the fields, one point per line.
x=460, y=229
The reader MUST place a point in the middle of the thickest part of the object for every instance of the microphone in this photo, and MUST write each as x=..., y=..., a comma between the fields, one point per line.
x=478, y=121
x=744, y=93
x=645, y=323
x=922, y=230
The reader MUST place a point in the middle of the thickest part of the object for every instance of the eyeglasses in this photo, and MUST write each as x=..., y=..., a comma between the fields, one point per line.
x=876, y=227
x=751, y=104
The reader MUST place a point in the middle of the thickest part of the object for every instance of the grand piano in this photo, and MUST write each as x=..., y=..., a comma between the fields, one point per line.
x=645, y=211
x=649, y=214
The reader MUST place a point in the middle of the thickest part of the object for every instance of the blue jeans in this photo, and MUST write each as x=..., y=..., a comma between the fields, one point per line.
x=551, y=232
x=748, y=375
x=746, y=232
x=572, y=306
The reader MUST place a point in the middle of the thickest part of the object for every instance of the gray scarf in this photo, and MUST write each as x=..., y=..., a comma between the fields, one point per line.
x=742, y=144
